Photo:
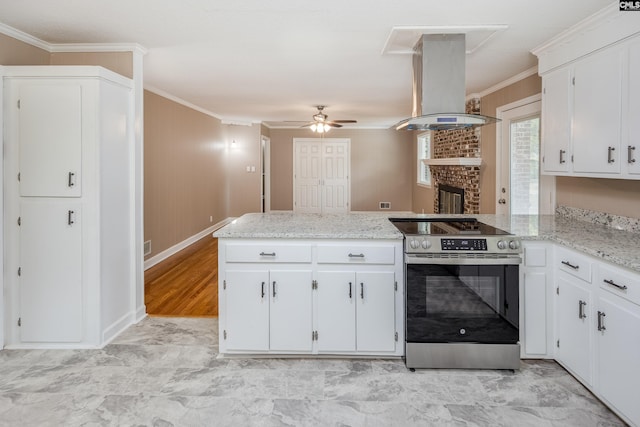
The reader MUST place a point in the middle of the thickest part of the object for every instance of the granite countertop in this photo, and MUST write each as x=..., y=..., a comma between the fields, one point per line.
x=619, y=247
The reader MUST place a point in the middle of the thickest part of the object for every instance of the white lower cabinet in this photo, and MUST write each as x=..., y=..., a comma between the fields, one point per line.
x=618, y=352
x=268, y=310
x=598, y=328
x=311, y=297
x=356, y=311
x=536, y=321
x=574, y=331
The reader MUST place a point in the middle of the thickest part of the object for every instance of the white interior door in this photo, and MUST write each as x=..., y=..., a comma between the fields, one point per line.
x=306, y=176
x=335, y=177
x=521, y=190
x=321, y=175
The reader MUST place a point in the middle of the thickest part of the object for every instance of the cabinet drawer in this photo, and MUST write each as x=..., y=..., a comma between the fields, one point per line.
x=535, y=256
x=620, y=282
x=268, y=252
x=575, y=264
x=355, y=254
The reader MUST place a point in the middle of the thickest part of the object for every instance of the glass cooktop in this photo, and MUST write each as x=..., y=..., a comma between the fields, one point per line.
x=445, y=227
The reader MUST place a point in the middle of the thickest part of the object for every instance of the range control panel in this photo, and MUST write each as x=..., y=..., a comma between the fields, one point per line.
x=463, y=244
x=505, y=244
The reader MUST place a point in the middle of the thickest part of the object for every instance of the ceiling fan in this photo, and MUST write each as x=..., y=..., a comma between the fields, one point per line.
x=321, y=122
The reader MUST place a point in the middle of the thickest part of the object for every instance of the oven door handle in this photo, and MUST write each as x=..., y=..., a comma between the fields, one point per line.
x=421, y=259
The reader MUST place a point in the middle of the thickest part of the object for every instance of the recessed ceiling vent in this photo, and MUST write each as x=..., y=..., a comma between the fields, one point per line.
x=439, y=86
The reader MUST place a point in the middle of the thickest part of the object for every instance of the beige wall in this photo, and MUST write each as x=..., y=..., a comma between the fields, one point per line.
x=15, y=52
x=524, y=88
x=119, y=62
x=614, y=196
x=380, y=167
x=193, y=170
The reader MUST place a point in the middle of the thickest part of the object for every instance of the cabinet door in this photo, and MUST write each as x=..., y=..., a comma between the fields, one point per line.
x=631, y=150
x=247, y=306
x=574, y=315
x=336, y=297
x=50, y=270
x=619, y=355
x=49, y=134
x=597, y=112
x=556, y=121
x=375, y=311
x=535, y=313
x=290, y=310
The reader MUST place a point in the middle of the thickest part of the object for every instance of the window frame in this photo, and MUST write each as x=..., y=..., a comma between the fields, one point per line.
x=423, y=169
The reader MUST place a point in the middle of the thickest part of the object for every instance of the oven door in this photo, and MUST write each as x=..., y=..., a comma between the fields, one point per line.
x=462, y=303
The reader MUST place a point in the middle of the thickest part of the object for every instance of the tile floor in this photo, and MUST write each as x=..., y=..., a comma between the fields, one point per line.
x=164, y=372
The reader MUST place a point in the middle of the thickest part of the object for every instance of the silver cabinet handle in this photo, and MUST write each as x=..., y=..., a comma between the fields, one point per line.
x=350, y=294
x=612, y=283
x=610, y=158
x=601, y=316
x=630, y=150
x=568, y=264
x=262, y=290
x=361, y=290
x=356, y=255
x=562, y=160
x=71, y=182
x=70, y=215
x=267, y=254
x=581, y=314
x=274, y=288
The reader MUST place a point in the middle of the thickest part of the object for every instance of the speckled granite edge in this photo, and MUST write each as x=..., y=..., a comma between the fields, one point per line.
x=602, y=218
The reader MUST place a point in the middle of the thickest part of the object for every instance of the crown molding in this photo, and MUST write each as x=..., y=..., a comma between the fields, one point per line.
x=520, y=76
x=70, y=47
x=24, y=37
x=180, y=101
x=98, y=47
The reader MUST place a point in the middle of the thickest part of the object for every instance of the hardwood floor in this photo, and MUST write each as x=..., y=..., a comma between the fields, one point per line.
x=186, y=284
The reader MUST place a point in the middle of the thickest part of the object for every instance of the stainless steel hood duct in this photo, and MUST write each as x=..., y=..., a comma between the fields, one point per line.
x=439, y=86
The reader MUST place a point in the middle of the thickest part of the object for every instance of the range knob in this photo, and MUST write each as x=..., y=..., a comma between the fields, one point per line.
x=514, y=244
x=502, y=244
x=426, y=244
x=414, y=244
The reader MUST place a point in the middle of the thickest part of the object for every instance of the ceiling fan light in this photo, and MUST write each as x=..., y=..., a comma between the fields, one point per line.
x=313, y=127
x=326, y=127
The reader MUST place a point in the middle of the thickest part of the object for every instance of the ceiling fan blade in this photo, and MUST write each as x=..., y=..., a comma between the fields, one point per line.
x=345, y=121
x=334, y=124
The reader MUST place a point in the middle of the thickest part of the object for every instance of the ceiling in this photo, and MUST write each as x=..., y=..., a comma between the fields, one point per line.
x=271, y=61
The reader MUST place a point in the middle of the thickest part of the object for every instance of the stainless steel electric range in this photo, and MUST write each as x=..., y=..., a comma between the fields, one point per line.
x=462, y=294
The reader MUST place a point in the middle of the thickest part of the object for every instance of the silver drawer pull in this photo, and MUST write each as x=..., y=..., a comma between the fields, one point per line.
x=612, y=283
x=356, y=255
x=361, y=290
x=263, y=290
x=267, y=254
x=568, y=264
x=601, y=316
x=610, y=158
x=274, y=288
x=630, y=150
x=581, y=314
x=350, y=294
x=71, y=180
x=562, y=156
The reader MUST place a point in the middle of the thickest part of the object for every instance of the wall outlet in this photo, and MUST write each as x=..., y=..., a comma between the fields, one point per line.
x=385, y=205
x=147, y=247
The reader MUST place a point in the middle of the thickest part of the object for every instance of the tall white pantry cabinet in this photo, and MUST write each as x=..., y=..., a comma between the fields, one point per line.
x=68, y=206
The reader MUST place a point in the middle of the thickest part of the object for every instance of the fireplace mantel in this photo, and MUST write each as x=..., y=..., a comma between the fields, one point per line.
x=454, y=161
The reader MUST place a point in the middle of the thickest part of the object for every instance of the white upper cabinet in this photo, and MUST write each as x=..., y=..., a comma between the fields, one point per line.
x=556, y=117
x=630, y=155
x=590, y=98
x=50, y=153
x=597, y=105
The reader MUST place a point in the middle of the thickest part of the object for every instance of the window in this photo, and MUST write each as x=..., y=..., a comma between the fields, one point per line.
x=424, y=152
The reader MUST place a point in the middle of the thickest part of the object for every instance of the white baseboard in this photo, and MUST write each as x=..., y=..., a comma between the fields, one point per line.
x=116, y=328
x=141, y=313
x=180, y=246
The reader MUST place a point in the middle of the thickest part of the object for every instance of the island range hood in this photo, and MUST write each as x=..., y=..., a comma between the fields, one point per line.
x=439, y=86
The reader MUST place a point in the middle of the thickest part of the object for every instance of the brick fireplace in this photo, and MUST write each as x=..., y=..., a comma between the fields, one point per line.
x=456, y=144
